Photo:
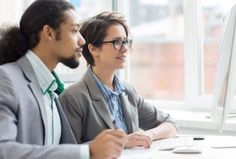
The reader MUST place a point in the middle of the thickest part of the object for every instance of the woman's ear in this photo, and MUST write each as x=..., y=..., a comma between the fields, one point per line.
x=93, y=50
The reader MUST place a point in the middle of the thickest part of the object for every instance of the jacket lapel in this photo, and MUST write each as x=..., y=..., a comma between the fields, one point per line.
x=98, y=101
x=34, y=87
x=127, y=112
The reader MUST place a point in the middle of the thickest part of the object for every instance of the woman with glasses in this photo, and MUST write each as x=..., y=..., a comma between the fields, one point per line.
x=101, y=100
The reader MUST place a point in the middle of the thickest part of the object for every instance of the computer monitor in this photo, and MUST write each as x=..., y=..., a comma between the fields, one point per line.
x=225, y=84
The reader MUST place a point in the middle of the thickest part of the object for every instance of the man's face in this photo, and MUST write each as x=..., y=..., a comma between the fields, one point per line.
x=69, y=42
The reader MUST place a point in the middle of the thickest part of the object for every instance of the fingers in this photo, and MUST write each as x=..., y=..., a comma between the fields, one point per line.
x=142, y=144
x=145, y=137
x=115, y=132
x=138, y=139
x=108, y=144
x=116, y=135
x=119, y=137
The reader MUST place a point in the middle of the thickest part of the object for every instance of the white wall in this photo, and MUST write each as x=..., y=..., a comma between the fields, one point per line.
x=12, y=10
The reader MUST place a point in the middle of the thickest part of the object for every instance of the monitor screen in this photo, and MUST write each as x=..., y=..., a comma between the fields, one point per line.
x=225, y=84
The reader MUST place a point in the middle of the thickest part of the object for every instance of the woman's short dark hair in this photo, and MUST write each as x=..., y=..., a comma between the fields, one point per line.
x=15, y=41
x=94, y=30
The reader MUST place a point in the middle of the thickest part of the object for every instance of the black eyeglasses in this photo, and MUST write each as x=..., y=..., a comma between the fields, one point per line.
x=118, y=43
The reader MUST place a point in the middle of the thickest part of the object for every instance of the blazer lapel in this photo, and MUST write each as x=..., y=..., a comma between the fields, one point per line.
x=34, y=87
x=98, y=101
x=127, y=112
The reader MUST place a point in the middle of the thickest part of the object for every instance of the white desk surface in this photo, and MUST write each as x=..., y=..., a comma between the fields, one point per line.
x=207, y=151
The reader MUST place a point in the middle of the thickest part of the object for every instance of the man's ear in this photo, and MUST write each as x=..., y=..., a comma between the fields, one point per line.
x=93, y=50
x=48, y=33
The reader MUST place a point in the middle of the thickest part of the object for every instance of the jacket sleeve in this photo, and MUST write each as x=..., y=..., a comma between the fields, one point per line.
x=10, y=148
x=148, y=115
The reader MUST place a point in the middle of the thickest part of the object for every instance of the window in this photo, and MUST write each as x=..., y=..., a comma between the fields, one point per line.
x=157, y=62
x=176, y=47
x=16, y=9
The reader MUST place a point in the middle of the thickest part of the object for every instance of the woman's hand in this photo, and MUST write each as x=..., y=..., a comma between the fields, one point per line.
x=139, y=139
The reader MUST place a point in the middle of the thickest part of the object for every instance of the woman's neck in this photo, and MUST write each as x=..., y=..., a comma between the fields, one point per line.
x=106, y=76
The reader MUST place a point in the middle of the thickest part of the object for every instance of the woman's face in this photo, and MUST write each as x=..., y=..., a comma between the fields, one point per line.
x=113, y=52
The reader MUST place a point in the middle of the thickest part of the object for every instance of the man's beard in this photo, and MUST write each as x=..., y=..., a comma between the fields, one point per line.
x=71, y=62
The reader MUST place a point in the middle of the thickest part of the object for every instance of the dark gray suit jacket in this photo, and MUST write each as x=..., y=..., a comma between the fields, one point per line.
x=22, y=117
x=88, y=113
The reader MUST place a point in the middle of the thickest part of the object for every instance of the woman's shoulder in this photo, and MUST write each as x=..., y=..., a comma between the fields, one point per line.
x=76, y=89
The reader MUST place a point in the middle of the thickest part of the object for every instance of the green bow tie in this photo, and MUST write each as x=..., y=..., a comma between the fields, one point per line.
x=60, y=84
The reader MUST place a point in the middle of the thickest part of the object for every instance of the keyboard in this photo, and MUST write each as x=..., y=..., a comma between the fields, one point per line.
x=172, y=143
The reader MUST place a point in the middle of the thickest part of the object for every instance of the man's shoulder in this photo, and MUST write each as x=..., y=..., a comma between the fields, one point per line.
x=10, y=69
x=9, y=66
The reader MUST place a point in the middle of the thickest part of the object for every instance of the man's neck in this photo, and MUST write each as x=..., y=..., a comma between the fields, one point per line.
x=44, y=55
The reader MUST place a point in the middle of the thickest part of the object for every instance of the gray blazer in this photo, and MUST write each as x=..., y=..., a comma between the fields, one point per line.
x=22, y=117
x=88, y=113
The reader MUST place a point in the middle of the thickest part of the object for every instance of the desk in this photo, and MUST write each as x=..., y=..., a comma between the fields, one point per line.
x=207, y=151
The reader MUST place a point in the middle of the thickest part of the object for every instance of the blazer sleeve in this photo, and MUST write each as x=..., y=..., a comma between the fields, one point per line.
x=148, y=115
x=12, y=149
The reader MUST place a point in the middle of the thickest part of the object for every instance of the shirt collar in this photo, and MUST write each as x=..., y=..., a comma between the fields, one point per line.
x=118, y=85
x=45, y=78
